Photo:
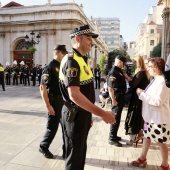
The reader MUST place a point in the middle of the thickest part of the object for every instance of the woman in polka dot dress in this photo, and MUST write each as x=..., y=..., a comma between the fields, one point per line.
x=156, y=113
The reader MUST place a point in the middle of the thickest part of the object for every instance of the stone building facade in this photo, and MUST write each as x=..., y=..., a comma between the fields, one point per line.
x=149, y=33
x=52, y=22
x=110, y=31
x=166, y=27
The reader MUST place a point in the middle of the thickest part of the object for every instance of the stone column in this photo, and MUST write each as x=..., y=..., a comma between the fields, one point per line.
x=166, y=33
x=49, y=1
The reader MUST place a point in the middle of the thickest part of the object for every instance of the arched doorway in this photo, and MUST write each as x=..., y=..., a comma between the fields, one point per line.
x=21, y=53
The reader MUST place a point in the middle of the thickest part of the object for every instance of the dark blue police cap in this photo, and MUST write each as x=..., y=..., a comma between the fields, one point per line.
x=83, y=30
x=123, y=59
x=61, y=48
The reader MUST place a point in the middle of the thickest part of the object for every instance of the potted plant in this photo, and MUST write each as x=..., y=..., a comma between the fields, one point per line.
x=32, y=49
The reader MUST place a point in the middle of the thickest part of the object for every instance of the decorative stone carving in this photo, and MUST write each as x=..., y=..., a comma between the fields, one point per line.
x=2, y=35
x=49, y=1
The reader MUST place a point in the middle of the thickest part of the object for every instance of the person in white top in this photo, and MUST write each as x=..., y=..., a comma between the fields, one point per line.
x=156, y=113
x=104, y=93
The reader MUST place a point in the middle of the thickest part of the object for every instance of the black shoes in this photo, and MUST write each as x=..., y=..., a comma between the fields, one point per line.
x=46, y=153
x=115, y=142
x=118, y=138
x=63, y=156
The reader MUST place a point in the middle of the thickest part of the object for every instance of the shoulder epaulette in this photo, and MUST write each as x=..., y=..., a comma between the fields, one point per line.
x=70, y=55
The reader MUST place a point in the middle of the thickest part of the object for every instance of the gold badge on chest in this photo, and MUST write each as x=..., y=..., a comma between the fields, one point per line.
x=57, y=69
x=86, y=70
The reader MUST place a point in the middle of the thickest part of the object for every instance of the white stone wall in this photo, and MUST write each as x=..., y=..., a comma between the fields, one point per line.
x=53, y=22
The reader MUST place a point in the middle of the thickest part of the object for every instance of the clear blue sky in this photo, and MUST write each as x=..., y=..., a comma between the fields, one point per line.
x=130, y=12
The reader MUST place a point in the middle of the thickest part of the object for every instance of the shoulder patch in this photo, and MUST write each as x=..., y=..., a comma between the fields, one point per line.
x=45, y=77
x=72, y=72
x=112, y=78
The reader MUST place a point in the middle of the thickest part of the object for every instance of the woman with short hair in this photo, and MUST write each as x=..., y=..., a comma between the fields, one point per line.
x=156, y=113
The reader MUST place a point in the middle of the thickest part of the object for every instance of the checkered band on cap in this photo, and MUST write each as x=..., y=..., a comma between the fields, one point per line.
x=80, y=33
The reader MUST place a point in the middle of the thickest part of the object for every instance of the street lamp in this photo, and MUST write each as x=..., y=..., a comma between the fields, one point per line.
x=31, y=39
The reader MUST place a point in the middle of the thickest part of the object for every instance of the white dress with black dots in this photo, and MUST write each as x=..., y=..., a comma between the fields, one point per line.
x=158, y=133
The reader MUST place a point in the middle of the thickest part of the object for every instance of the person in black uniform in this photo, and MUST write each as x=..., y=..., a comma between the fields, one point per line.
x=97, y=73
x=8, y=74
x=39, y=73
x=21, y=72
x=2, y=77
x=33, y=72
x=15, y=72
x=77, y=88
x=117, y=89
x=51, y=95
x=26, y=73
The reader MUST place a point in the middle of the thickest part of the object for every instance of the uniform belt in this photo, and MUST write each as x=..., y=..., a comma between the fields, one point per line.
x=54, y=95
x=120, y=92
x=67, y=103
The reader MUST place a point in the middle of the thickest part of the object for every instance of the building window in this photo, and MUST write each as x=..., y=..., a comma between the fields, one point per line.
x=23, y=45
x=150, y=54
x=152, y=42
x=152, y=31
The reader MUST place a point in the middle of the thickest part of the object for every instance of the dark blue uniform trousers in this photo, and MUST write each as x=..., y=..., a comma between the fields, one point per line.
x=76, y=138
x=118, y=110
x=53, y=123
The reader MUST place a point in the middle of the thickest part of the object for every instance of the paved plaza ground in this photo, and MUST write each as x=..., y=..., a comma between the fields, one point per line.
x=22, y=125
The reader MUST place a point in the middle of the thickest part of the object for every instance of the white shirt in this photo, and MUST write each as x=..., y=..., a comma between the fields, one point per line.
x=156, y=98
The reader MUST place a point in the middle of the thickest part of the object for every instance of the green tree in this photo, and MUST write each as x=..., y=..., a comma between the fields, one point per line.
x=157, y=50
x=32, y=49
x=102, y=63
x=112, y=55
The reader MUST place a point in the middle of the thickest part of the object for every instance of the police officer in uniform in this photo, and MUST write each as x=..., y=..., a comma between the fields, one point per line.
x=2, y=77
x=39, y=73
x=117, y=89
x=33, y=72
x=15, y=72
x=8, y=74
x=77, y=87
x=51, y=95
x=21, y=72
x=26, y=73
x=97, y=73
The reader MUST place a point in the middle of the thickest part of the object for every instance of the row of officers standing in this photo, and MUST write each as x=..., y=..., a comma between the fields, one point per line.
x=21, y=74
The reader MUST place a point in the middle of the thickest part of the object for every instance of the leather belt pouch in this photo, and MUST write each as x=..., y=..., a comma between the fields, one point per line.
x=72, y=112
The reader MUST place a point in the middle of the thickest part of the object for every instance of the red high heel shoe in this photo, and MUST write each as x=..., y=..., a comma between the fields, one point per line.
x=139, y=163
x=164, y=168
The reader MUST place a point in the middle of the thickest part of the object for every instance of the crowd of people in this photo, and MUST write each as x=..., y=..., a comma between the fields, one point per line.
x=21, y=73
x=68, y=91
x=148, y=115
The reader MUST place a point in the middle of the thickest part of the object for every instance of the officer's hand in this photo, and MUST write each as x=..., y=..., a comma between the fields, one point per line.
x=109, y=117
x=50, y=110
